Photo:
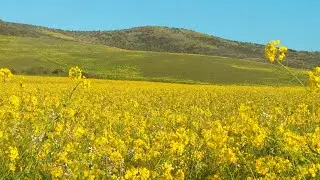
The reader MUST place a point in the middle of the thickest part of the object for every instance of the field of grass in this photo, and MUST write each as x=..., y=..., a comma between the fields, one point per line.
x=45, y=56
x=148, y=130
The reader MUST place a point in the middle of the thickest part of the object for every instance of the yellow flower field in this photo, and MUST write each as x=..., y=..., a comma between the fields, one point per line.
x=58, y=128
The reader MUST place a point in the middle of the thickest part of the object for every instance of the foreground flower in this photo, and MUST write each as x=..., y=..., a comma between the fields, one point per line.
x=282, y=52
x=57, y=172
x=273, y=52
x=12, y=167
x=314, y=79
x=86, y=83
x=5, y=74
x=13, y=153
x=75, y=73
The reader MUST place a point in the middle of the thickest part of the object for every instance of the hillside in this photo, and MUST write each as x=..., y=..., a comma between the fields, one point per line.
x=47, y=56
x=165, y=39
x=162, y=39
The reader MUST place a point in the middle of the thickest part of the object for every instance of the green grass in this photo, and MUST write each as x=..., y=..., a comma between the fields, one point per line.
x=42, y=56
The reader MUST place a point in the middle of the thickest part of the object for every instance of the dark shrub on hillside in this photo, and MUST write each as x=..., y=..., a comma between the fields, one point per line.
x=91, y=76
x=58, y=72
x=37, y=71
x=13, y=71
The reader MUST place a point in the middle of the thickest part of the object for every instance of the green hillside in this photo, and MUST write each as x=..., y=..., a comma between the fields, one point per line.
x=47, y=56
x=162, y=39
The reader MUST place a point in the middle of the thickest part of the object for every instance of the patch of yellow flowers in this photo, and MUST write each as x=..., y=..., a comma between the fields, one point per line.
x=139, y=130
x=314, y=79
x=5, y=74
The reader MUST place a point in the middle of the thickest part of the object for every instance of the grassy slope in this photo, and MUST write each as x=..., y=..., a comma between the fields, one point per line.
x=162, y=39
x=44, y=55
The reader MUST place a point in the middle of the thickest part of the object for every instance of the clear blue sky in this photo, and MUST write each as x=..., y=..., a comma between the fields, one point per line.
x=295, y=22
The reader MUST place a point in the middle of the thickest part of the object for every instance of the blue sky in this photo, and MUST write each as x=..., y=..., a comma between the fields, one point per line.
x=295, y=22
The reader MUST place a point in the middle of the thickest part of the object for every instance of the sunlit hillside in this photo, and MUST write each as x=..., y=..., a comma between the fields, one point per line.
x=45, y=56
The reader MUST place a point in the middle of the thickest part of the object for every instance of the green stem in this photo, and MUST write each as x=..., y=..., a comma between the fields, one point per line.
x=68, y=101
x=293, y=75
x=70, y=95
x=74, y=89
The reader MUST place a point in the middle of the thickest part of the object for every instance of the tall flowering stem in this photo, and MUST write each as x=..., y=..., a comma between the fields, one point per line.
x=75, y=74
x=296, y=77
x=276, y=53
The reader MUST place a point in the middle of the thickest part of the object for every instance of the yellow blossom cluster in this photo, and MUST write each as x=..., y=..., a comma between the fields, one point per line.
x=314, y=79
x=272, y=166
x=5, y=74
x=75, y=73
x=13, y=155
x=275, y=53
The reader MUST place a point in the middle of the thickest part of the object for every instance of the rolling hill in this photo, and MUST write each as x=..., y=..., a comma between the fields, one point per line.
x=162, y=39
x=33, y=50
x=165, y=39
x=45, y=56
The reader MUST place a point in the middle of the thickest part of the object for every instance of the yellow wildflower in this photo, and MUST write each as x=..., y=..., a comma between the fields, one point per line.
x=313, y=170
x=57, y=172
x=14, y=101
x=59, y=128
x=179, y=175
x=116, y=157
x=273, y=52
x=5, y=74
x=12, y=167
x=13, y=153
x=283, y=49
x=75, y=73
x=314, y=79
x=79, y=132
